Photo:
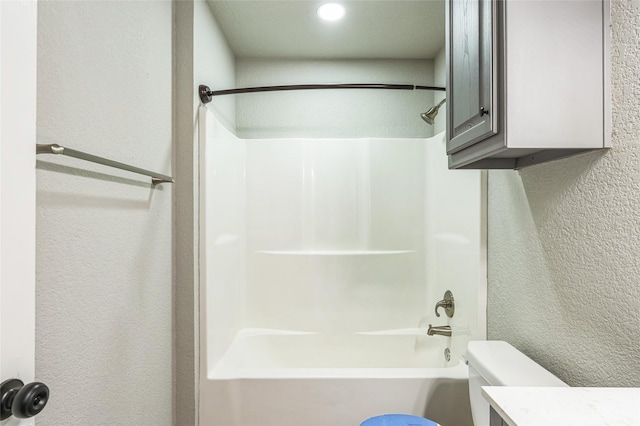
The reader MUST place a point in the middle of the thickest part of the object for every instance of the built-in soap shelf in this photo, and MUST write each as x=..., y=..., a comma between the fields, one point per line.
x=334, y=252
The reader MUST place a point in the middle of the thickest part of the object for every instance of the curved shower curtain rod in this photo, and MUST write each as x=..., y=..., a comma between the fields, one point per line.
x=206, y=94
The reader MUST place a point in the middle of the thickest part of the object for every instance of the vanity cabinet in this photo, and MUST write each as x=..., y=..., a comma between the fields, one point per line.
x=527, y=81
x=495, y=419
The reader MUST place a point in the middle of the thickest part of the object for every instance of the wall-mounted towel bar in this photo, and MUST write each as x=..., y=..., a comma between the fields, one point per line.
x=156, y=178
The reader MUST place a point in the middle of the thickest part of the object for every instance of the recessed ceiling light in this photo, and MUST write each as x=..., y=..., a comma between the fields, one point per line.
x=331, y=11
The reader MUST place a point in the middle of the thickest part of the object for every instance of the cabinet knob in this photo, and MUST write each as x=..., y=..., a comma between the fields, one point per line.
x=483, y=111
x=22, y=401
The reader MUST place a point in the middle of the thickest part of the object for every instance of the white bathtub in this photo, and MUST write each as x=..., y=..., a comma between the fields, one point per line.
x=287, y=378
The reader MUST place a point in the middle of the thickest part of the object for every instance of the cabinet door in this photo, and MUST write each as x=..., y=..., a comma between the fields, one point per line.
x=495, y=419
x=472, y=113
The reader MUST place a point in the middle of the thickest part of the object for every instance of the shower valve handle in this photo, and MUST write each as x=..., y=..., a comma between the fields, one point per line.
x=447, y=303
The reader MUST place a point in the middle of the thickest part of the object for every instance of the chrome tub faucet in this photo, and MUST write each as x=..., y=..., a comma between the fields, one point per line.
x=440, y=330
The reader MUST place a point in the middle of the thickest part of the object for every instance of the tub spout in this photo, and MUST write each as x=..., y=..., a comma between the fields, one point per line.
x=441, y=330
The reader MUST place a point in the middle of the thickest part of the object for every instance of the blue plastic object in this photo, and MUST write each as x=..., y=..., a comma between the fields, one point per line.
x=398, y=420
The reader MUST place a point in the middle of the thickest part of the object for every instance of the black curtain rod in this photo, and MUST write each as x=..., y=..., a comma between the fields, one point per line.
x=206, y=94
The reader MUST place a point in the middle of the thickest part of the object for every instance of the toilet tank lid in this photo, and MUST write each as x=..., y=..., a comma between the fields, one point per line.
x=503, y=365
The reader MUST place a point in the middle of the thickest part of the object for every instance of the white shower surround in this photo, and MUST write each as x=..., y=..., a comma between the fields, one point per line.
x=310, y=244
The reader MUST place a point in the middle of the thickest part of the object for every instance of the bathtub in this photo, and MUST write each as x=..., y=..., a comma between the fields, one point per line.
x=297, y=378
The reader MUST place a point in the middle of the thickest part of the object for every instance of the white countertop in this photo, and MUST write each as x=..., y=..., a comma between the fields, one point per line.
x=537, y=406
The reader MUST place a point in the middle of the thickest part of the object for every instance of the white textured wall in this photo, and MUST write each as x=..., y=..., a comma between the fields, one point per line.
x=104, y=275
x=185, y=209
x=564, y=239
x=333, y=113
x=201, y=56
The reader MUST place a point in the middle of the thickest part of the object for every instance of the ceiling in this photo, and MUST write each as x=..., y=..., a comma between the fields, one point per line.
x=371, y=29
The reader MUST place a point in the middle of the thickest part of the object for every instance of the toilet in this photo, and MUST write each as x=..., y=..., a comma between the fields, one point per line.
x=398, y=420
x=497, y=363
x=491, y=363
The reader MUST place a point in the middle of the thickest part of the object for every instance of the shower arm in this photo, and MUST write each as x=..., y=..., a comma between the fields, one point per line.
x=206, y=94
x=440, y=103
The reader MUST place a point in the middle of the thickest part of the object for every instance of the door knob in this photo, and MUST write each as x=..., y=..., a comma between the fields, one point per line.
x=22, y=401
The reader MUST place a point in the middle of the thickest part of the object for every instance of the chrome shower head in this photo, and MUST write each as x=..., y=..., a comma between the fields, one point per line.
x=430, y=115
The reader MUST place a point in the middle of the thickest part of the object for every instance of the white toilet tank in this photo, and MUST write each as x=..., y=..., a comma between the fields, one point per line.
x=497, y=363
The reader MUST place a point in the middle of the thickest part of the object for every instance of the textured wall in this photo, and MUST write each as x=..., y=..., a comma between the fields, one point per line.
x=185, y=219
x=333, y=113
x=104, y=307
x=201, y=56
x=564, y=239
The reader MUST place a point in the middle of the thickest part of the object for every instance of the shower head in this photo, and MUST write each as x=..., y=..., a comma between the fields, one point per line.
x=431, y=113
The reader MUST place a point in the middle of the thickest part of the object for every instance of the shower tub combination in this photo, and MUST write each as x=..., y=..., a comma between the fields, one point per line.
x=282, y=378
x=318, y=259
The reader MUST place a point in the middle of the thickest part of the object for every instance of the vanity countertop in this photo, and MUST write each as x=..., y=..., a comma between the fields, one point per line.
x=542, y=406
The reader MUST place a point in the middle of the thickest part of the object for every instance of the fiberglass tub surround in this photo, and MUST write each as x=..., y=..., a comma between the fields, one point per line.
x=322, y=263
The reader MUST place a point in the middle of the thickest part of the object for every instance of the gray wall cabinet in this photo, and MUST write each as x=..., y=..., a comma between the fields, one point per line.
x=527, y=81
